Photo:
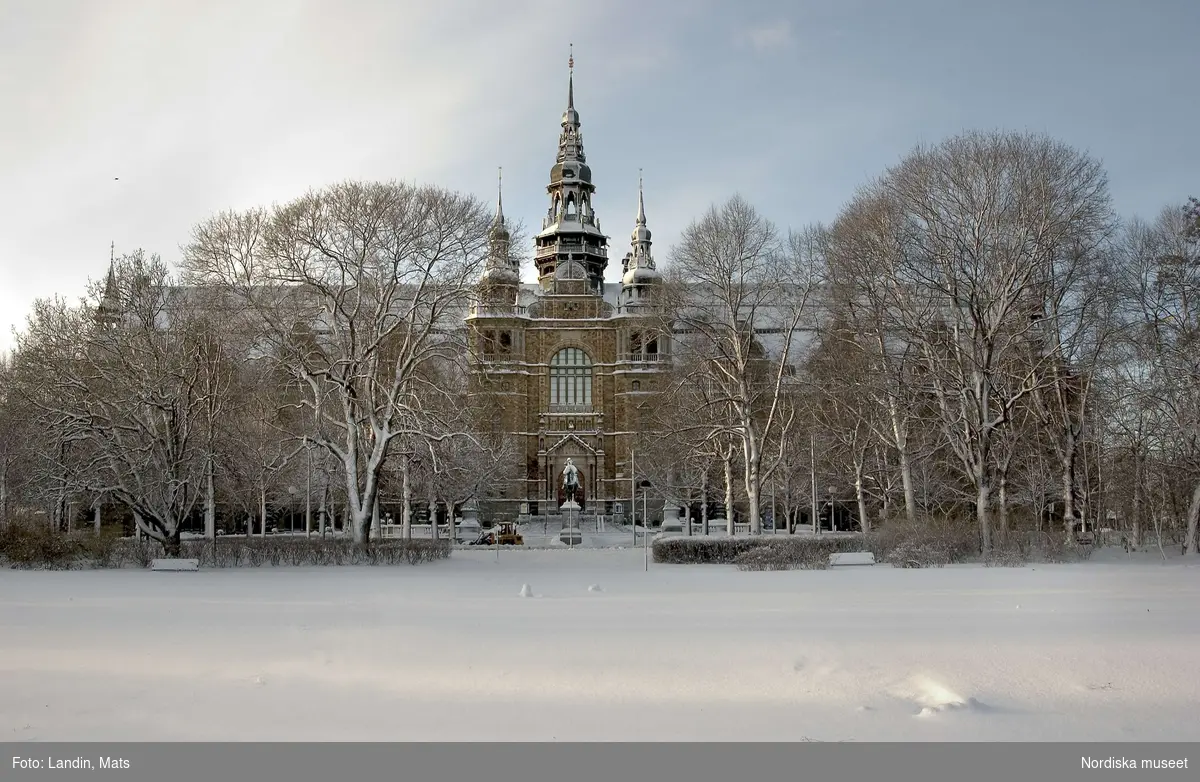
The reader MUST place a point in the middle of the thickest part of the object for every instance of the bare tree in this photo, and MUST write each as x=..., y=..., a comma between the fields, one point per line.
x=354, y=289
x=966, y=237
x=1163, y=287
x=730, y=281
x=128, y=397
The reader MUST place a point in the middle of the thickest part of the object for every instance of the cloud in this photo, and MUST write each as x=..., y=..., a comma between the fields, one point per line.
x=767, y=37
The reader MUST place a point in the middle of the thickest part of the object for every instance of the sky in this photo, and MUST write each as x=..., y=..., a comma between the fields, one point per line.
x=127, y=122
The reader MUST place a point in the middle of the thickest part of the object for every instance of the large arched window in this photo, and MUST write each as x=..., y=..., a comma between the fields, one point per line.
x=570, y=378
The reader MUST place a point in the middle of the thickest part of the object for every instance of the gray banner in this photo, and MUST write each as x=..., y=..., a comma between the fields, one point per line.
x=923, y=762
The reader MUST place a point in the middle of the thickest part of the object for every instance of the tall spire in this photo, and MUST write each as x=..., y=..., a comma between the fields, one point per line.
x=109, y=310
x=571, y=76
x=640, y=276
x=499, y=271
x=499, y=196
x=571, y=234
x=641, y=215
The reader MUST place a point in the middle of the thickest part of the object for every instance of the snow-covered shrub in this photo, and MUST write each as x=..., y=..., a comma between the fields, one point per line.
x=275, y=551
x=777, y=557
x=37, y=546
x=922, y=546
x=764, y=552
x=31, y=543
x=702, y=550
x=1008, y=554
x=1055, y=548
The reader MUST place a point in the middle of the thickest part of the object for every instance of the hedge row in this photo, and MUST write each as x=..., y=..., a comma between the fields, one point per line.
x=898, y=545
x=28, y=546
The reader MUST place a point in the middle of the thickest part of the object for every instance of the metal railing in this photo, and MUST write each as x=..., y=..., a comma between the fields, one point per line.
x=492, y=310
x=570, y=409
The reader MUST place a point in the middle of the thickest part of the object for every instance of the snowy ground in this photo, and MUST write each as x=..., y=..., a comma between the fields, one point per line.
x=449, y=651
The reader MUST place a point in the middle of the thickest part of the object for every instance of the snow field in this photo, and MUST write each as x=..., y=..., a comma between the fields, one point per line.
x=600, y=650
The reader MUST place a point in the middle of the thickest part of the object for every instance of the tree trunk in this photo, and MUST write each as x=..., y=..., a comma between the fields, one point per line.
x=376, y=531
x=816, y=512
x=1002, y=508
x=433, y=523
x=210, y=503
x=727, y=463
x=1193, y=516
x=860, y=494
x=323, y=509
x=753, y=479
x=96, y=516
x=704, y=503
x=1136, y=520
x=171, y=545
x=983, y=498
x=4, y=492
x=308, y=517
x=262, y=510
x=900, y=435
x=1070, y=459
x=406, y=500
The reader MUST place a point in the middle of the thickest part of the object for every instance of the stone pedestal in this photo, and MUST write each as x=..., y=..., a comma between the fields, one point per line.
x=672, y=518
x=570, y=530
x=468, y=527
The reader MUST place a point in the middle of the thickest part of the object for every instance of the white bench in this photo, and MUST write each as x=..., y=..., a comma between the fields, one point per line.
x=848, y=558
x=175, y=565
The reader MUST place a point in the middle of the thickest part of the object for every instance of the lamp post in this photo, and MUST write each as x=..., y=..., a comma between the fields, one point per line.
x=291, y=509
x=832, y=521
x=308, y=492
x=632, y=497
x=645, y=526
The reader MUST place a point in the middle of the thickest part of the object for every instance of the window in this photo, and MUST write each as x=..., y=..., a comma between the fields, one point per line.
x=570, y=378
x=505, y=342
x=637, y=385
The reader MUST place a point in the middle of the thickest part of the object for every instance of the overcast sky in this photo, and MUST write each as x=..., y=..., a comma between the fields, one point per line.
x=129, y=121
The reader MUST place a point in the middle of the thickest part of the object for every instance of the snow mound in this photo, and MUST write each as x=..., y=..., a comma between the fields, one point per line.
x=934, y=698
x=595, y=588
x=526, y=591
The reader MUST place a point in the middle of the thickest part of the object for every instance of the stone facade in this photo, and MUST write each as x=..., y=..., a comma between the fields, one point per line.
x=565, y=363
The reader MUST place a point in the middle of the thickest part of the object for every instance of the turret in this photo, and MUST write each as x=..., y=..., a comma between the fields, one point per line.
x=500, y=278
x=640, y=278
x=571, y=232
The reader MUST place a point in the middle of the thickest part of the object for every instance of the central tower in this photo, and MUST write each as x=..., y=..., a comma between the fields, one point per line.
x=570, y=235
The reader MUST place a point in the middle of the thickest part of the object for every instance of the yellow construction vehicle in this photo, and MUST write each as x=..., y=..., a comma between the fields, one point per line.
x=503, y=533
x=507, y=535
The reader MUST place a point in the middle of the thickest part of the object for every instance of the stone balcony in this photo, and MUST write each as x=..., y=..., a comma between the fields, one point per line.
x=497, y=311
x=643, y=358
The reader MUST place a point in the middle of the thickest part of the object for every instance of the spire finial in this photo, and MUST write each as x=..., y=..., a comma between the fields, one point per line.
x=571, y=77
x=112, y=252
x=641, y=215
x=500, y=195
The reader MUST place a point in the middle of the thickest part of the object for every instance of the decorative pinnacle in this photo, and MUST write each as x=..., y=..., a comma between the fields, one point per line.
x=571, y=77
x=641, y=215
x=500, y=195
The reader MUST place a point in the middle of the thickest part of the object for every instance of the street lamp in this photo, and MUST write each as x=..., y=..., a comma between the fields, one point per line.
x=292, y=510
x=832, y=522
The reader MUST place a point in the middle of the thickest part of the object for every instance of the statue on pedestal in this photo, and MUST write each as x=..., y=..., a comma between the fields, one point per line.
x=570, y=485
